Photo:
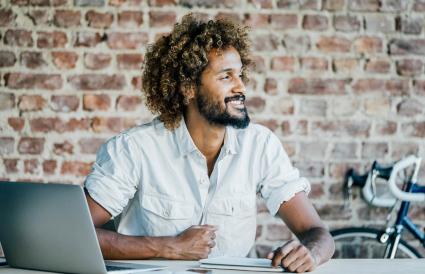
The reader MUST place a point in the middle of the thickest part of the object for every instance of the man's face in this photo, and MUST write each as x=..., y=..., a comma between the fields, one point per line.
x=220, y=97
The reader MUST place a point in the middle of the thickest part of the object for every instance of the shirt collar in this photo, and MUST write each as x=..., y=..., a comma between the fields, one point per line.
x=186, y=145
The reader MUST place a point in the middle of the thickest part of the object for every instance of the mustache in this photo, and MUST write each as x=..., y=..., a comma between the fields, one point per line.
x=240, y=97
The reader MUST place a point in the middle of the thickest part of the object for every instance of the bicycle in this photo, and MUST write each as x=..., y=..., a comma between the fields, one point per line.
x=366, y=242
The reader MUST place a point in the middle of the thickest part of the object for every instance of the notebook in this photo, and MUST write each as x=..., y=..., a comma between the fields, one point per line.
x=49, y=227
x=238, y=263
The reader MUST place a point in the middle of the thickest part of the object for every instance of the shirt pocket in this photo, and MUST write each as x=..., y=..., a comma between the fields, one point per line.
x=164, y=217
x=236, y=219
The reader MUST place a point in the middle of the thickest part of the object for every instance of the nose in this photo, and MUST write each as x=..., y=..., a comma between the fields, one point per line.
x=239, y=86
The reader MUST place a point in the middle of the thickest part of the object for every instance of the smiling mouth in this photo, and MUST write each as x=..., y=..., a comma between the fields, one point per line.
x=238, y=99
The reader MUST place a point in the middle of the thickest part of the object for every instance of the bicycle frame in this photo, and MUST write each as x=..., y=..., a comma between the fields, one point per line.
x=403, y=221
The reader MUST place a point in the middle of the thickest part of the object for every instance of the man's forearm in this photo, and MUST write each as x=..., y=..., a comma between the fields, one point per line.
x=320, y=243
x=117, y=246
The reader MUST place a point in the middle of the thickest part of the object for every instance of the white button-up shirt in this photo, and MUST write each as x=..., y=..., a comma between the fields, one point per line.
x=158, y=181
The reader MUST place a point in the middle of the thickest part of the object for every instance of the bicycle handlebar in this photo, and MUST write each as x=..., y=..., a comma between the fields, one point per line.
x=395, y=190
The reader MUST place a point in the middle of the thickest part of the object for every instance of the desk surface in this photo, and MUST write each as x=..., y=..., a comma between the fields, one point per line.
x=335, y=266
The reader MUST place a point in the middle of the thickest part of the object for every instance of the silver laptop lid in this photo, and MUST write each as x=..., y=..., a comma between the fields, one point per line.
x=48, y=227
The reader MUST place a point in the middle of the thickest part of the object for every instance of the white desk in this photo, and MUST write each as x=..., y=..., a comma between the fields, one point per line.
x=337, y=266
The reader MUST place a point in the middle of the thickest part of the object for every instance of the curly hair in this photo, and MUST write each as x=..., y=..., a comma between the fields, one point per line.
x=175, y=62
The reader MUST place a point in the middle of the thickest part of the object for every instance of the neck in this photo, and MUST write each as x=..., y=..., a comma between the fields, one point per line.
x=207, y=138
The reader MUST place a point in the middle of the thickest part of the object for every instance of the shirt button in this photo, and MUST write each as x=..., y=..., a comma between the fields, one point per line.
x=203, y=181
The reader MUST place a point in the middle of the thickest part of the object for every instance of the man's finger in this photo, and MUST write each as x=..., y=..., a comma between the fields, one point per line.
x=270, y=255
x=294, y=265
x=293, y=255
x=281, y=252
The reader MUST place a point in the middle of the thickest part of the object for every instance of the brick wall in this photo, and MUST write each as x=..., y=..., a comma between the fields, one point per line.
x=340, y=82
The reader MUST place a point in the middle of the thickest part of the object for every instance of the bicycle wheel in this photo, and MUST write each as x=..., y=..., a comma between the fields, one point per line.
x=360, y=242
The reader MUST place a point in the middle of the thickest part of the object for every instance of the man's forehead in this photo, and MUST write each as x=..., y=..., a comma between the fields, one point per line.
x=224, y=59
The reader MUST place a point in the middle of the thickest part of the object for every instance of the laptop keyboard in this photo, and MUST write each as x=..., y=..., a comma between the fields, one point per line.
x=116, y=268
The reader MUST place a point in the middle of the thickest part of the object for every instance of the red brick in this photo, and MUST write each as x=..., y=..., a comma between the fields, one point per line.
x=255, y=104
x=283, y=106
x=11, y=165
x=7, y=101
x=44, y=3
x=136, y=82
x=341, y=128
x=128, y=103
x=112, y=124
x=334, y=44
x=39, y=17
x=258, y=64
x=64, y=103
x=33, y=81
x=315, y=22
x=55, y=39
x=265, y=42
x=7, y=17
x=162, y=18
x=31, y=102
x=31, y=166
x=63, y=148
x=294, y=128
x=368, y=45
x=30, y=145
x=56, y=124
x=160, y=3
x=256, y=20
x=419, y=6
x=97, y=82
x=49, y=166
x=58, y=3
x=413, y=129
x=393, y=87
x=7, y=59
x=76, y=168
x=32, y=59
x=314, y=63
x=334, y=5
x=409, y=67
x=88, y=39
x=419, y=87
x=283, y=63
x=131, y=40
x=297, y=43
x=130, y=19
x=379, y=106
x=210, y=4
x=96, y=102
x=16, y=123
x=316, y=86
x=97, y=61
x=7, y=145
x=374, y=150
x=67, y=18
x=410, y=25
x=64, y=59
x=271, y=124
x=90, y=145
x=317, y=191
x=346, y=23
x=409, y=107
x=384, y=128
x=364, y=5
x=270, y=86
x=263, y=4
x=100, y=20
x=284, y=21
x=296, y=4
x=344, y=151
x=311, y=169
x=130, y=61
x=407, y=46
x=344, y=65
x=18, y=37
x=403, y=149
x=231, y=16
x=378, y=66
x=20, y=2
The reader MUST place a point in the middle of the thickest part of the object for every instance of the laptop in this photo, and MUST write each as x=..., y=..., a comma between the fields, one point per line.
x=48, y=227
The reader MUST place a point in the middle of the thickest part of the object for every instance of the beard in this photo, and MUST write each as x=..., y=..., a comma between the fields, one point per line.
x=212, y=111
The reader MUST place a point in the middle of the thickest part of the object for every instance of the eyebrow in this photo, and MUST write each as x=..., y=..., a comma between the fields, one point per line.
x=227, y=70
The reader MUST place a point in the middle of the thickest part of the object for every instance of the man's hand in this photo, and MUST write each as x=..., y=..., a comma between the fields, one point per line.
x=194, y=243
x=294, y=257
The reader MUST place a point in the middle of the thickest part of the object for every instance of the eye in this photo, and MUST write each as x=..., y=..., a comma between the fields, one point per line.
x=225, y=77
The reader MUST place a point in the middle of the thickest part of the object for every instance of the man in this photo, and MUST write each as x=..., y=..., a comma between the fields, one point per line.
x=186, y=183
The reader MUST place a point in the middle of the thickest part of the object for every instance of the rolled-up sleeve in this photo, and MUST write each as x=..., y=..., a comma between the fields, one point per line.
x=281, y=181
x=114, y=177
